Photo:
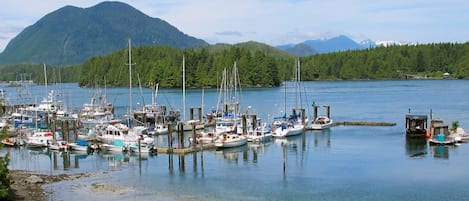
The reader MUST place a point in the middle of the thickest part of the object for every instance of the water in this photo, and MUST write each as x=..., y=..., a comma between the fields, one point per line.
x=343, y=163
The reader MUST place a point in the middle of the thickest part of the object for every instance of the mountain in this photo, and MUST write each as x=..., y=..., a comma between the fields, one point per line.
x=301, y=49
x=253, y=47
x=335, y=44
x=71, y=35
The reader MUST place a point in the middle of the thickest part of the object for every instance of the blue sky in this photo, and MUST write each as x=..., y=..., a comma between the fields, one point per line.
x=277, y=22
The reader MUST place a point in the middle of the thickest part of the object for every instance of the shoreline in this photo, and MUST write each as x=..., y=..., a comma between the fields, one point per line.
x=28, y=185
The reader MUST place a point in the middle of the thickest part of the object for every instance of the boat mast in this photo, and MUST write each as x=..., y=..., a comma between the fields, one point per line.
x=130, y=77
x=298, y=79
x=184, y=88
x=203, y=100
x=45, y=77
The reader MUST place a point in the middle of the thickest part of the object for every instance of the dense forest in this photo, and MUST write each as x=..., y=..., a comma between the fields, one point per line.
x=35, y=72
x=163, y=65
x=256, y=67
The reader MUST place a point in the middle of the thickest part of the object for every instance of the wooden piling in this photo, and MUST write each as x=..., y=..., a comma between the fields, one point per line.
x=244, y=123
x=191, y=112
x=200, y=113
x=254, y=122
x=194, y=137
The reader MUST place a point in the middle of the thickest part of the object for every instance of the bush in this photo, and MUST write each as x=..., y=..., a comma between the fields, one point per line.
x=4, y=177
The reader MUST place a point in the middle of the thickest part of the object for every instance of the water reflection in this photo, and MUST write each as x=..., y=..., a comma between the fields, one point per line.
x=233, y=154
x=258, y=148
x=416, y=147
x=322, y=138
x=440, y=151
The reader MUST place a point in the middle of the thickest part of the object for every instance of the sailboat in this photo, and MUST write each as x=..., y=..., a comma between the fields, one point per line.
x=228, y=107
x=188, y=125
x=128, y=134
x=293, y=125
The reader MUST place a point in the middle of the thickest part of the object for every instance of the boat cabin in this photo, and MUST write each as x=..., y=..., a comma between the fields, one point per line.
x=439, y=128
x=416, y=125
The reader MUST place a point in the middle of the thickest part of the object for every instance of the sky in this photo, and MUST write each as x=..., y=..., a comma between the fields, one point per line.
x=277, y=22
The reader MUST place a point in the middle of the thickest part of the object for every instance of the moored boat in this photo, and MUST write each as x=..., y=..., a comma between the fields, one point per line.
x=58, y=145
x=143, y=148
x=228, y=140
x=116, y=146
x=320, y=123
x=288, y=129
x=79, y=145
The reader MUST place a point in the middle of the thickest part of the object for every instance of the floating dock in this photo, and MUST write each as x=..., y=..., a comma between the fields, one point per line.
x=186, y=150
x=362, y=123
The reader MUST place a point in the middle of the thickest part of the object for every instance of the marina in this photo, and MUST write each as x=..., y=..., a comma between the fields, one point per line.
x=342, y=162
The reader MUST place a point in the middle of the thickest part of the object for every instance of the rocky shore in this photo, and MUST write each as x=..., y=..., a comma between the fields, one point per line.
x=28, y=186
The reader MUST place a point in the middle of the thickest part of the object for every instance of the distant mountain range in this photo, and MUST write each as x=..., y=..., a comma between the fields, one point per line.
x=335, y=44
x=71, y=35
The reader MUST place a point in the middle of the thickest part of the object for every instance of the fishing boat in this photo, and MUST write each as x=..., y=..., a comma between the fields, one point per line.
x=58, y=145
x=116, y=146
x=122, y=132
x=22, y=119
x=143, y=148
x=205, y=136
x=79, y=145
x=13, y=141
x=228, y=140
x=40, y=139
x=160, y=129
x=320, y=123
x=416, y=126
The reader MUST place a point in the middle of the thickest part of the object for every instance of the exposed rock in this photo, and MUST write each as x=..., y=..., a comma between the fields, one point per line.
x=33, y=179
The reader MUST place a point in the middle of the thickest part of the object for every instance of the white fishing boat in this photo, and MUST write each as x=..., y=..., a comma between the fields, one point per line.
x=206, y=136
x=228, y=140
x=58, y=145
x=24, y=119
x=320, y=123
x=144, y=148
x=115, y=146
x=13, y=141
x=79, y=145
x=121, y=132
x=161, y=129
x=39, y=139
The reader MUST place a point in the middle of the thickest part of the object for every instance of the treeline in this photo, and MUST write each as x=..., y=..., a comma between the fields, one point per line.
x=392, y=62
x=256, y=67
x=35, y=72
x=163, y=65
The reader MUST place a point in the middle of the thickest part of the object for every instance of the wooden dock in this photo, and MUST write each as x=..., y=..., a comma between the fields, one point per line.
x=362, y=123
x=199, y=147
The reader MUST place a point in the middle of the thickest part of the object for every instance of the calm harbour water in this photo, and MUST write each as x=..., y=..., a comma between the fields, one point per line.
x=343, y=163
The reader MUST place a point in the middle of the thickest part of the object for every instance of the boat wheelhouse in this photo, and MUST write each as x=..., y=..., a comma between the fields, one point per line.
x=416, y=125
